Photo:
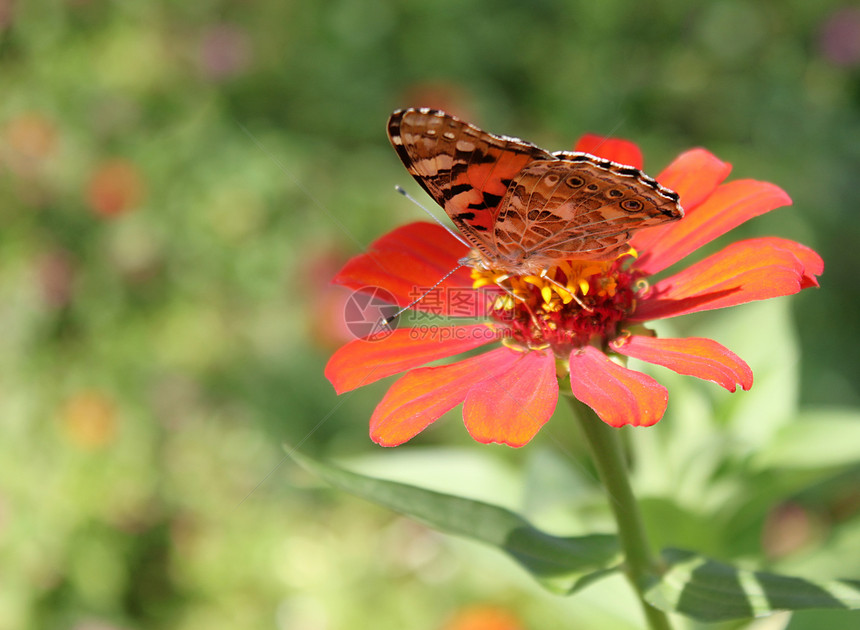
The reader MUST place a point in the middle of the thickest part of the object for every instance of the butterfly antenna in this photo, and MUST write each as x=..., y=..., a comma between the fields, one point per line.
x=611, y=132
x=434, y=217
x=391, y=318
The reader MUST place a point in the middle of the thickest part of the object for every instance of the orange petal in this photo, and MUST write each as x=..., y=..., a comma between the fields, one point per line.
x=755, y=269
x=510, y=408
x=420, y=397
x=694, y=356
x=408, y=261
x=729, y=206
x=694, y=175
x=615, y=149
x=813, y=265
x=361, y=362
x=617, y=395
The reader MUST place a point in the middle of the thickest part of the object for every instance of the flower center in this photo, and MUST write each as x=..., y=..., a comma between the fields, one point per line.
x=572, y=304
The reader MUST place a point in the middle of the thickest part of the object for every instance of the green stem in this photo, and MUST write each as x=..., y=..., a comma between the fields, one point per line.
x=608, y=457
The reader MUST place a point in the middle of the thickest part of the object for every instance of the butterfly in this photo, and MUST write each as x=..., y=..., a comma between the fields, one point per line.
x=522, y=208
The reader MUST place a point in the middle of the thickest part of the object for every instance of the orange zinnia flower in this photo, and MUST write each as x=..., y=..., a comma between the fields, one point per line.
x=568, y=324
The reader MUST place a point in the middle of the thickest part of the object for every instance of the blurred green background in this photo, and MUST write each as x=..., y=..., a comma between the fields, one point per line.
x=179, y=182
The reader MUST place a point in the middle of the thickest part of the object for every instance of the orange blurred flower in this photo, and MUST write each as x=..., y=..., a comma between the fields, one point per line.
x=89, y=418
x=30, y=138
x=115, y=187
x=483, y=618
x=325, y=323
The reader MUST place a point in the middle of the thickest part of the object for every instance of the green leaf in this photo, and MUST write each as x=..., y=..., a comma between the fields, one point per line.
x=561, y=565
x=707, y=590
x=818, y=439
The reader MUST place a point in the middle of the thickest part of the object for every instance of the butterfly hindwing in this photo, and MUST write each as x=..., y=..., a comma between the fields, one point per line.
x=577, y=208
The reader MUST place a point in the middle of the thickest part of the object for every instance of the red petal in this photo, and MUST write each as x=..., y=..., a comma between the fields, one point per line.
x=362, y=362
x=511, y=407
x=615, y=149
x=703, y=358
x=420, y=397
x=694, y=175
x=410, y=260
x=755, y=269
x=729, y=206
x=618, y=396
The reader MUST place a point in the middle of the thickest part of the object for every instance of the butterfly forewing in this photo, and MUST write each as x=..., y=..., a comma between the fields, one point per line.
x=466, y=170
x=523, y=207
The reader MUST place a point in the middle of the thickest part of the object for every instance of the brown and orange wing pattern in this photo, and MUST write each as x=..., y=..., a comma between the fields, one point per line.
x=577, y=206
x=466, y=170
x=522, y=207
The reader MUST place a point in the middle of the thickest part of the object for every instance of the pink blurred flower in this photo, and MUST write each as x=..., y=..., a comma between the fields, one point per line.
x=56, y=275
x=224, y=52
x=839, y=39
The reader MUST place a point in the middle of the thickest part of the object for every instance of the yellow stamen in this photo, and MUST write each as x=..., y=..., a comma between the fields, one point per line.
x=583, y=286
x=504, y=302
x=578, y=277
x=546, y=293
x=519, y=347
x=481, y=282
x=566, y=295
x=623, y=336
x=513, y=345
